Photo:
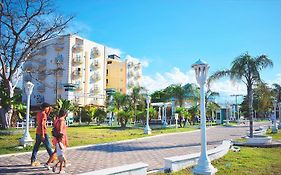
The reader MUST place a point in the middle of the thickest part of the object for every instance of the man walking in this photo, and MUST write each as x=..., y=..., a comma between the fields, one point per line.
x=41, y=133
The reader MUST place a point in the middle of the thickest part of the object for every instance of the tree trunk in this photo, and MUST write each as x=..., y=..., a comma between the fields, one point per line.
x=7, y=109
x=122, y=122
x=250, y=108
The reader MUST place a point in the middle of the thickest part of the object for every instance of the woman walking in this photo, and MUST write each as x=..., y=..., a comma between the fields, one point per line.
x=60, y=127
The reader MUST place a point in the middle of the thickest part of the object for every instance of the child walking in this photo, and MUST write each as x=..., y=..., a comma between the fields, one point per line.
x=60, y=150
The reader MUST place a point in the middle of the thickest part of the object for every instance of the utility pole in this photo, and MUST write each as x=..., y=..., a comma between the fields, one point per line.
x=236, y=103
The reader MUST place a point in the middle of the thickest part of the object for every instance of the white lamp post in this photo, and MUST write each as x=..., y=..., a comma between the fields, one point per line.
x=204, y=165
x=26, y=139
x=176, y=118
x=279, y=107
x=274, y=127
x=147, y=129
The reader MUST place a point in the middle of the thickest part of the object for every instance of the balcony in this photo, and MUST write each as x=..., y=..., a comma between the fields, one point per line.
x=76, y=74
x=95, y=89
x=96, y=64
x=95, y=52
x=42, y=65
x=41, y=88
x=59, y=72
x=77, y=48
x=137, y=66
x=77, y=60
x=28, y=67
x=96, y=77
x=59, y=59
x=59, y=46
x=130, y=64
x=42, y=51
x=131, y=73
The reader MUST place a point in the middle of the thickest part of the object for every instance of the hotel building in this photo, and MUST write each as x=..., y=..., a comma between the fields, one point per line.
x=70, y=60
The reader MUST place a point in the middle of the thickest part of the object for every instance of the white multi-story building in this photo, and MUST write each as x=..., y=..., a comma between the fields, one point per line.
x=134, y=74
x=68, y=60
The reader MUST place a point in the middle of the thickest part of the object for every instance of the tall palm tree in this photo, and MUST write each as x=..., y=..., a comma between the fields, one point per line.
x=136, y=98
x=247, y=69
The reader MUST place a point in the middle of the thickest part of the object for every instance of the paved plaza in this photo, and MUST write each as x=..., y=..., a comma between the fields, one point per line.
x=151, y=151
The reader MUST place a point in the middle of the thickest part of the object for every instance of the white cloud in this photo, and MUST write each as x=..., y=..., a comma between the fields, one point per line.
x=276, y=80
x=161, y=81
x=144, y=62
x=111, y=51
x=79, y=28
x=176, y=76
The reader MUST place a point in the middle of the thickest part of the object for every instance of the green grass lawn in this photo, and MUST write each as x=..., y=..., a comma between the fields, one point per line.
x=276, y=136
x=85, y=135
x=250, y=161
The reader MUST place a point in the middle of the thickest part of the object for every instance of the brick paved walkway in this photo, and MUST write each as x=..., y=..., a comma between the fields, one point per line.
x=151, y=150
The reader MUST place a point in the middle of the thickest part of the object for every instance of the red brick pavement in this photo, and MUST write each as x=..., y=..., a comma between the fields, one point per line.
x=151, y=150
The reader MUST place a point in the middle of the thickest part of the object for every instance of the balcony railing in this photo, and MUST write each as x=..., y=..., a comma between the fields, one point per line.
x=76, y=74
x=95, y=52
x=42, y=51
x=59, y=59
x=59, y=46
x=77, y=48
x=96, y=77
x=95, y=90
x=96, y=64
x=77, y=60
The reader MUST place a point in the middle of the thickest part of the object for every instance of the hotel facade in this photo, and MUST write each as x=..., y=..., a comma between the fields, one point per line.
x=70, y=60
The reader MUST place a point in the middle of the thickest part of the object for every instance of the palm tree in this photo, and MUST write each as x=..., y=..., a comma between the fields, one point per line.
x=121, y=107
x=246, y=68
x=136, y=98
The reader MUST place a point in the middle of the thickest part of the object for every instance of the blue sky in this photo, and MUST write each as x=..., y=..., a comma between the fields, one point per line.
x=169, y=36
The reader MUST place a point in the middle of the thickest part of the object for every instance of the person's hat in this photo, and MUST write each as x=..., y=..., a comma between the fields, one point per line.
x=45, y=105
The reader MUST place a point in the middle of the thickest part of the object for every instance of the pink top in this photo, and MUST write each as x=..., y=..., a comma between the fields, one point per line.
x=60, y=125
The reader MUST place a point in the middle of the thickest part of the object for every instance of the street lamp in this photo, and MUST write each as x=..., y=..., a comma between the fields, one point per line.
x=274, y=127
x=279, y=106
x=26, y=139
x=147, y=129
x=204, y=165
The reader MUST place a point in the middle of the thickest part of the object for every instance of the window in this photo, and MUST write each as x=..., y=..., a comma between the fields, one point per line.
x=106, y=81
x=106, y=71
x=109, y=62
x=121, y=69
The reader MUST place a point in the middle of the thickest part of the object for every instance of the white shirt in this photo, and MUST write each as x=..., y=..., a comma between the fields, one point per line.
x=60, y=151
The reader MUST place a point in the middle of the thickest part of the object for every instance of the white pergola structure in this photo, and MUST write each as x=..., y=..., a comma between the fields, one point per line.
x=162, y=111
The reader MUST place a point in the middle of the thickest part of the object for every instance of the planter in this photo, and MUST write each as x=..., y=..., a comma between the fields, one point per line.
x=259, y=140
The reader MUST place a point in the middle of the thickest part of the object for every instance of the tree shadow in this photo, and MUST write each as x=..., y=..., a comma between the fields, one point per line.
x=125, y=147
x=25, y=169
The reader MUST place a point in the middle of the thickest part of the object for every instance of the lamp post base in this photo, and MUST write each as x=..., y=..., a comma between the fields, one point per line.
x=26, y=140
x=147, y=130
x=204, y=168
